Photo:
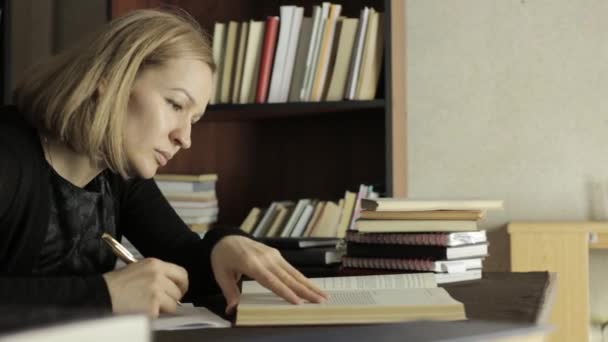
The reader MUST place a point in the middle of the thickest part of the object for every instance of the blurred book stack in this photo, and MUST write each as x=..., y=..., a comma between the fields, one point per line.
x=192, y=197
x=307, y=231
x=401, y=235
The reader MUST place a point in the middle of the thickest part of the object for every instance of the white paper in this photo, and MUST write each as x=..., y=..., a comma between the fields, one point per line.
x=188, y=316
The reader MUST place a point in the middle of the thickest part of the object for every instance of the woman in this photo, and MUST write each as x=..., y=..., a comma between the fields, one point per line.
x=77, y=154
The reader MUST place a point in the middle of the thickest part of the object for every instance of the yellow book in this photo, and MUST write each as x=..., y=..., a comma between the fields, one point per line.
x=354, y=300
x=350, y=198
x=251, y=219
x=371, y=62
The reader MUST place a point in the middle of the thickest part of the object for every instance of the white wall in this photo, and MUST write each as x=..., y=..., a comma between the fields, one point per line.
x=508, y=99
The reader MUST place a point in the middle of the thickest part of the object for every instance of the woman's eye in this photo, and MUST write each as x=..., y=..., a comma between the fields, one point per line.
x=175, y=105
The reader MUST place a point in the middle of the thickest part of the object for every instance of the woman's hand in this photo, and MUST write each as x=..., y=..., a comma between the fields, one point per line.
x=234, y=256
x=149, y=285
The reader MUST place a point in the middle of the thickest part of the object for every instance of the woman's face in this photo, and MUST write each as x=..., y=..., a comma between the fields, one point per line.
x=164, y=103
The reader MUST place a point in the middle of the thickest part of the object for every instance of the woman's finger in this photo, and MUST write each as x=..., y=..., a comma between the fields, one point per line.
x=314, y=293
x=270, y=281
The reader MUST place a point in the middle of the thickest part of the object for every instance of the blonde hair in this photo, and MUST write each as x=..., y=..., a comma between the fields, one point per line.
x=61, y=98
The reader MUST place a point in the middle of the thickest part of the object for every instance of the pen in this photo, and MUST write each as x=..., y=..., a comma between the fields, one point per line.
x=121, y=251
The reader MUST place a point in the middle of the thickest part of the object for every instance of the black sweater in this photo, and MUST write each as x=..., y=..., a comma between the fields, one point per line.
x=142, y=215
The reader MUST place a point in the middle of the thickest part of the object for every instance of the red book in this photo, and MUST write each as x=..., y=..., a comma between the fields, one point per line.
x=270, y=42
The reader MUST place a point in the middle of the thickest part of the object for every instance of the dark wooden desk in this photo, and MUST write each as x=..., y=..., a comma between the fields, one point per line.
x=498, y=306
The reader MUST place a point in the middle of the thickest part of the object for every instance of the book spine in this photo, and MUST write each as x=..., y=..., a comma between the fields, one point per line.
x=270, y=40
x=388, y=263
x=425, y=239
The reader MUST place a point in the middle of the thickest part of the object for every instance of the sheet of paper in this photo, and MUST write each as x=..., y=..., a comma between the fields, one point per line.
x=189, y=317
x=386, y=281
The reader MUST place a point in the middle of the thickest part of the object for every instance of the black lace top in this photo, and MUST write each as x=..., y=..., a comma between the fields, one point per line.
x=78, y=218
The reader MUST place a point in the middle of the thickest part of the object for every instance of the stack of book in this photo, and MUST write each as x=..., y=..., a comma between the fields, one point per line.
x=292, y=58
x=399, y=235
x=192, y=197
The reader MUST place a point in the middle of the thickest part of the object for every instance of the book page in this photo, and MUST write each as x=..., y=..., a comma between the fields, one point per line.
x=373, y=282
x=380, y=297
x=188, y=316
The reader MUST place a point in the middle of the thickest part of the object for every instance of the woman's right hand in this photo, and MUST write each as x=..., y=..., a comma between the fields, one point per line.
x=150, y=285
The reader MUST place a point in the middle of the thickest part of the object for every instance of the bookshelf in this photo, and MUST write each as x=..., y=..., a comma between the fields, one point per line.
x=267, y=152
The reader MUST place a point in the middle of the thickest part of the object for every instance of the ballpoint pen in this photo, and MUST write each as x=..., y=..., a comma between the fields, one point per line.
x=121, y=251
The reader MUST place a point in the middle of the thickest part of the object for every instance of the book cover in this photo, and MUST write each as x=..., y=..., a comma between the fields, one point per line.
x=267, y=58
x=413, y=264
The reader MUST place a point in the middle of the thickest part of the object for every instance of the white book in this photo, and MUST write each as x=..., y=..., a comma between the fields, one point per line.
x=293, y=219
x=264, y=224
x=355, y=64
x=294, y=36
x=320, y=14
x=285, y=22
x=302, y=221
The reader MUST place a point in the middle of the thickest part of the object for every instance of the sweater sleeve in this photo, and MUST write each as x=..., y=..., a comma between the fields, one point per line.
x=150, y=223
x=17, y=228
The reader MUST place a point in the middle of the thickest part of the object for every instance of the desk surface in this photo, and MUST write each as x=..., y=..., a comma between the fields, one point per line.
x=410, y=331
x=499, y=305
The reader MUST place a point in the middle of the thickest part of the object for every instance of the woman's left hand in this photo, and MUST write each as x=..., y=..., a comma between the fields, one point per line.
x=236, y=255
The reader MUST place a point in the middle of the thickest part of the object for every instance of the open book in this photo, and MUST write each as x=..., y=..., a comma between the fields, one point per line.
x=353, y=300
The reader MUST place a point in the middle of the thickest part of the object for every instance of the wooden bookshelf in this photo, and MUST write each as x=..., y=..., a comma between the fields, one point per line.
x=266, y=152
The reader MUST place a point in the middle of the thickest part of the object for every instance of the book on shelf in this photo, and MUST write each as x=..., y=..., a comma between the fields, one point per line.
x=355, y=60
x=240, y=61
x=249, y=223
x=325, y=53
x=251, y=67
x=283, y=212
x=347, y=28
x=353, y=300
x=297, y=77
x=422, y=239
x=416, y=252
x=371, y=61
x=218, y=49
x=227, y=72
x=267, y=58
x=403, y=204
x=391, y=226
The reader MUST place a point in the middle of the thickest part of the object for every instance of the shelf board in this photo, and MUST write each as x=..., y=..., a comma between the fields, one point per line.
x=243, y=112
